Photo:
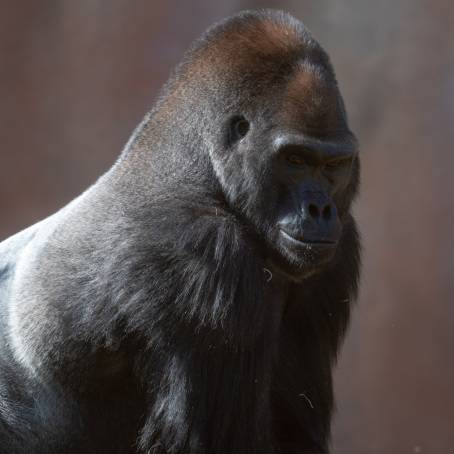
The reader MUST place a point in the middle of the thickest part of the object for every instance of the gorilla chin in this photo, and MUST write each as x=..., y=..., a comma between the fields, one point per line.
x=297, y=260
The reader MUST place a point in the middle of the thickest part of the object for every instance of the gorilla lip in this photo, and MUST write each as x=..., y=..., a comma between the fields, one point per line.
x=320, y=243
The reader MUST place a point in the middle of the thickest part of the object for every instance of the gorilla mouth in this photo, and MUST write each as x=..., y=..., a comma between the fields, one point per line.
x=322, y=242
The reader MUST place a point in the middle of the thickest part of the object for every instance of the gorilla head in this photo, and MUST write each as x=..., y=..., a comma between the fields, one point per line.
x=257, y=96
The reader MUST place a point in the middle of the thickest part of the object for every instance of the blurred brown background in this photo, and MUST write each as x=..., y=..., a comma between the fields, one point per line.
x=77, y=76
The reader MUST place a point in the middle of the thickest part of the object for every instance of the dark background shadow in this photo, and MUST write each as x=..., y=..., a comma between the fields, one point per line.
x=77, y=76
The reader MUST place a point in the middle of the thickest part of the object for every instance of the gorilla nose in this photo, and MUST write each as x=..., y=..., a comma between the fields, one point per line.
x=317, y=207
x=316, y=211
x=320, y=221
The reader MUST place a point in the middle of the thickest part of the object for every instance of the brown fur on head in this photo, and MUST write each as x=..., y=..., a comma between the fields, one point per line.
x=251, y=52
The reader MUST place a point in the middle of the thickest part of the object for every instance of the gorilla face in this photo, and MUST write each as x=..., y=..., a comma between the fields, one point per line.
x=307, y=229
x=289, y=165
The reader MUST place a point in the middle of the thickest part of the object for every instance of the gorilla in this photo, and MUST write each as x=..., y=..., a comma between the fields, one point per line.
x=194, y=298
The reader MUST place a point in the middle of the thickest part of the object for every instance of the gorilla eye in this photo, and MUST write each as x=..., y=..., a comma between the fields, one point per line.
x=239, y=127
x=295, y=160
x=333, y=165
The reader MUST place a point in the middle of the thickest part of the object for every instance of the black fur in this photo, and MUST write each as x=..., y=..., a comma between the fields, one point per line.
x=158, y=312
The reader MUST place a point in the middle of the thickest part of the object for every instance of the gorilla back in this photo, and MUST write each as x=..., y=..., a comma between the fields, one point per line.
x=193, y=300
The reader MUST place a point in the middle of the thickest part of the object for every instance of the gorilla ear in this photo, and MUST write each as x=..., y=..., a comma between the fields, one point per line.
x=238, y=128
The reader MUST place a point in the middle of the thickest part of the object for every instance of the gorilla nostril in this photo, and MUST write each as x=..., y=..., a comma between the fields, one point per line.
x=326, y=213
x=314, y=211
